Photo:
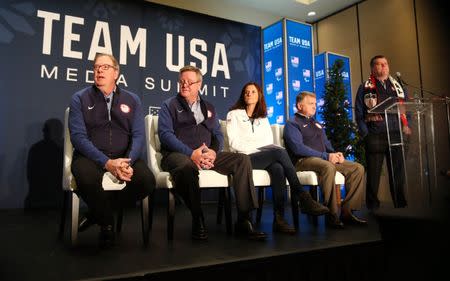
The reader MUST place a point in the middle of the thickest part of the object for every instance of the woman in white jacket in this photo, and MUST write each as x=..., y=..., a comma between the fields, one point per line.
x=249, y=132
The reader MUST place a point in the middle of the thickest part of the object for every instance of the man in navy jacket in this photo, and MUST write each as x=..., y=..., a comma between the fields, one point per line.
x=107, y=131
x=310, y=150
x=191, y=140
x=372, y=126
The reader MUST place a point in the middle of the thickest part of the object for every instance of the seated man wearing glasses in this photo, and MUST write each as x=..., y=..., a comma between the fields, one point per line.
x=191, y=140
x=107, y=131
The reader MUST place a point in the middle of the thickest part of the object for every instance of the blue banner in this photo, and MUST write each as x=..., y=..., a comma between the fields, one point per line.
x=47, y=55
x=323, y=63
x=320, y=76
x=345, y=77
x=300, y=61
x=274, y=76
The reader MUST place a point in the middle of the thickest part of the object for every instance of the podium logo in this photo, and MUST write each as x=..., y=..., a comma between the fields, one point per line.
x=345, y=74
x=295, y=61
x=296, y=85
x=268, y=66
x=278, y=73
x=269, y=88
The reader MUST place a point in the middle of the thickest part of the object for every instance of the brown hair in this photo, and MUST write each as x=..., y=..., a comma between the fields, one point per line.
x=114, y=61
x=260, y=108
x=302, y=95
x=372, y=60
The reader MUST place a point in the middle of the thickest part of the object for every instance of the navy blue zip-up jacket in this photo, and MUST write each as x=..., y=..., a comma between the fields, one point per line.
x=178, y=131
x=94, y=136
x=375, y=127
x=305, y=137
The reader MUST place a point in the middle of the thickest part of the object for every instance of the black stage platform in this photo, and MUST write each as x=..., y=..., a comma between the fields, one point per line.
x=30, y=251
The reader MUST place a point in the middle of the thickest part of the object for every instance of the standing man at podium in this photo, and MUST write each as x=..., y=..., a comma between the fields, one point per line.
x=372, y=126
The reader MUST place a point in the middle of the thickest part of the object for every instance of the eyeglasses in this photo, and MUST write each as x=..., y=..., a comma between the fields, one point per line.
x=186, y=82
x=103, y=67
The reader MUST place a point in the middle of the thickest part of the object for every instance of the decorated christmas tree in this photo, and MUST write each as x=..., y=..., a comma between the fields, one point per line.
x=341, y=131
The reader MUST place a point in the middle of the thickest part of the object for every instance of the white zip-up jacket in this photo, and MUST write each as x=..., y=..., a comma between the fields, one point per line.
x=245, y=137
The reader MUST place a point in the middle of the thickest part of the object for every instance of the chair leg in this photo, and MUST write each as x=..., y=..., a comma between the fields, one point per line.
x=62, y=222
x=220, y=205
x=145, y=220
x=228, y=216
x=314, y=191
x=119, y=219
x=74, y=221
x=288, y=190
x=295, y=209
x=170, y=215
x=260, y=204
x=151, y=206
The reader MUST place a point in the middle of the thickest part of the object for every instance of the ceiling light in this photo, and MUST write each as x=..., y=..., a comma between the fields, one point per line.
x=312, y=13
x=306, y=2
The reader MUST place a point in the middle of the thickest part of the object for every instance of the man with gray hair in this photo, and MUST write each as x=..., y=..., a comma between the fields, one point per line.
x=191, y=140
x=310, y=150
x=107, y=130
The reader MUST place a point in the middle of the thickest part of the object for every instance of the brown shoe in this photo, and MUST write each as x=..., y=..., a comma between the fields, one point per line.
x=311, y=207
x=281, y=226
x=332, y=220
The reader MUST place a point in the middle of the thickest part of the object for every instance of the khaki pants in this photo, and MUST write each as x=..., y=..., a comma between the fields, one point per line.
x=354, y=181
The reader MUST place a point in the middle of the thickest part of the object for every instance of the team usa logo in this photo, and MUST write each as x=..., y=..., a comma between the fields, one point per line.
x=295, y=61
x=306, y=75
x=269, y=88
x=269, y=111
x=280, y=119
x=279, y=97
x=125, y=108
x=268, y=66
x=278, y=73
x=296, y=85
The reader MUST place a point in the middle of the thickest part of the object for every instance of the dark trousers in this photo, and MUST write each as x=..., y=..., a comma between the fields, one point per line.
x=377, y=147
x=88, y=176
x=279, y=166
x=185, y=175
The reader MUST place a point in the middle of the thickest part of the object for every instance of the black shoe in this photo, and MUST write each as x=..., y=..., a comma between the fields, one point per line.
x=281, y=226
x=333, y=221
x=311, y=207
x=244, y=228
x=199, y=231
x=85, y=222
x=106, y=238
x=354, y=220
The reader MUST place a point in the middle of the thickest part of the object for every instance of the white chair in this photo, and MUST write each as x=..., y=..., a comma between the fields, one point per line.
x=109, y=183
x=309, y=177
x=261, y=178
x=207, y=178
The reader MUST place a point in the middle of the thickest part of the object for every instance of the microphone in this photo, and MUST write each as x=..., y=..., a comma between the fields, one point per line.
x=398, y=76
